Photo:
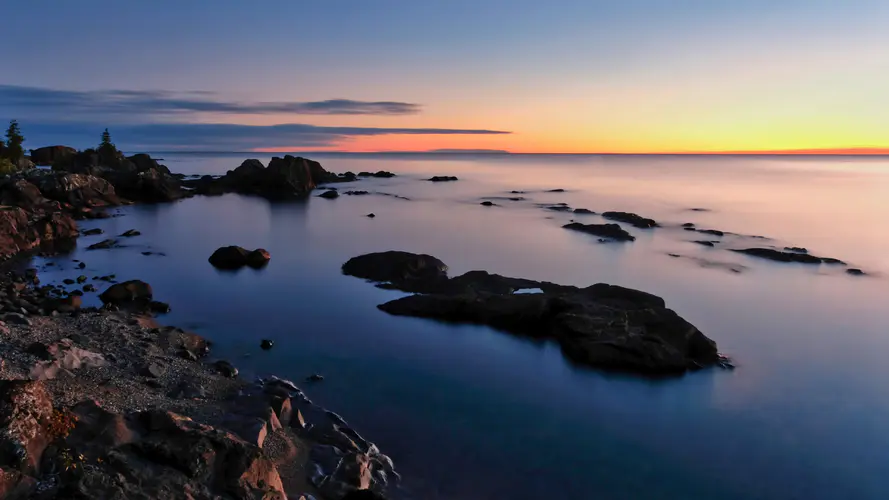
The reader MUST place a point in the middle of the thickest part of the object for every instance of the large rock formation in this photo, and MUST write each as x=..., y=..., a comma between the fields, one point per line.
x=52, y=155
x=602, y=326
x=78, y=190
x=285, y=177
x=21, y=230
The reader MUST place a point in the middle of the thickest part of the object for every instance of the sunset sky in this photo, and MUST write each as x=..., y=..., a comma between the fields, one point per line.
x=565, y=76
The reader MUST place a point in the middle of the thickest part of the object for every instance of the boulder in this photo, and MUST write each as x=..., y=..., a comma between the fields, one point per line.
x=25, y=414
x=610, y=231
x=402, y=268
x=103, y=245
x=442, y=178
x=330, y=195
x=631, y=218
x=382, y=174
x=144, y=163
x=77, y=189
x=21, y=230
x=65, y=357
x=24, y=194
x=51, y=155
x=230, y=257
x=584, y=211
x=133, y=294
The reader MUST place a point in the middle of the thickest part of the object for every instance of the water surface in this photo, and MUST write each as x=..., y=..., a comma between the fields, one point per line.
x=470, y=413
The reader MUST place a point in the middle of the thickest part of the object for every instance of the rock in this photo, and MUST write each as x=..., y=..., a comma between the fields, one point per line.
x=631, y=218
x=68, y=281
x=21, y=230
x=16, y=319
x=602, y=326
x=584, y=211
x=81, y=279
x=130, y=233
x=16, y=486
x=82, y=265
x=145, y=163
x=714, y=232
x=796, y=249
x=704, y=243
x=559, y=207
x=23, y=194
x=151, y=186
x=93, y=231
x=855, y=272
x=188, y=355
x=371, y=215
x=779, y=256
x=559, y=190
x=133, y=295
x=159, y=307
x=258, y=258
x=89, y=288
x=65, y=357
x=487, y=204
x=65, y=304
x=155, y=370
x=266, y=344
x=381, y=174
x=51, y=155
x=688, y=225
x=225, y=368
x=78, y=190
x=442, y=178
x=401, y=268
x=188, y=390
x=284, y=177
x=40, y=350
x=231, y=257
x=25, y=414
x=314, y=378
x=329, y=195
x=103, y=245
x=357, y=193
x=611, y=231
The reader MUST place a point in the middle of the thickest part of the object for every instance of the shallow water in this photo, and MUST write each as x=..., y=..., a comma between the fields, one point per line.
x=470, y=413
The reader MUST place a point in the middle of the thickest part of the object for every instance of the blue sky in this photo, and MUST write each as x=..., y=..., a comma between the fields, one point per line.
x=561, y=75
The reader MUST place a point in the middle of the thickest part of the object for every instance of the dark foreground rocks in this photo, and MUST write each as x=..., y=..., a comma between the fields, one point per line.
x=609, y=231
x=235, y=257
x=601, y=326
x=788, y=256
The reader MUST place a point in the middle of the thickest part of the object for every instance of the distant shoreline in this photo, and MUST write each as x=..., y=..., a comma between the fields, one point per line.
x=507, y=153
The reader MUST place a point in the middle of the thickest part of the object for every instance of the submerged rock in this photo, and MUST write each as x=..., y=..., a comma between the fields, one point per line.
x=602, y=326
x=631, y=218
x=382, y=174
x=488, y=204
x=403, y=269
x=442, y=178
x=235, y=257
x=329, y=194
x=133, y=294
x=779, y=256
x=584, y=211
x=855, y=272
x=611, y=231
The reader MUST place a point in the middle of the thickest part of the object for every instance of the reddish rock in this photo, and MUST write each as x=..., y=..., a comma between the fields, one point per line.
x=25, y=412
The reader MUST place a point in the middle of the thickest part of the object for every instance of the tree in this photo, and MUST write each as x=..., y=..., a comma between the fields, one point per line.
x=108, y=152
x=106, y=144
x=14, y=140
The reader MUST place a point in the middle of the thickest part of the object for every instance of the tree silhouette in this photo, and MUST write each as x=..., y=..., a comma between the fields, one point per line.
x=14, y=139
x=107, y=150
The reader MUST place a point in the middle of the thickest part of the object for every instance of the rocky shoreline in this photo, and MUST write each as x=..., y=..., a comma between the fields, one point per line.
x=107, y=403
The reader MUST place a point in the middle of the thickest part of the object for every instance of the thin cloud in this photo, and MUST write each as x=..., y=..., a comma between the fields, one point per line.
x=217, y=136
x=44, y=102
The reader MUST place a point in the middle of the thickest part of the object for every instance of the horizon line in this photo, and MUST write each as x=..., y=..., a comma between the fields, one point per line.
x=776, y=152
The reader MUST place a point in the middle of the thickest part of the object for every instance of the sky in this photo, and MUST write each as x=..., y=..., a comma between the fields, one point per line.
x=558, y=76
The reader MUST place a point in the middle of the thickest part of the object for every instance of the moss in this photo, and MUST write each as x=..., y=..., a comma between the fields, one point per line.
x=7, y=167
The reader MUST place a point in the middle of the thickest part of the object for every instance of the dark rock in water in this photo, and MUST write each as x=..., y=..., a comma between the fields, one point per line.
x=714, y=232
x=699, y=209
x=315, y=378
x=82, y=265
x=159, y=307
x=559, y=190
x=779, y=256
x=357, y=193
x=602, y=326
x=631, y=218
x=517, y=192
x=329, y=195
x=103, y=245
x=266, y=344
x=691, y=228
x=68, y=281
x=132, y=294
x=704, y=243
x=688, y=225
x=584, y=211
x=81, y=279
x=561, y=207
x=516, y=198
x=93, y=231
x=487, y=204
x=130, y=233
x=612, y=231
x=286, y=177
x=89, y=288
x=401, y=268
x=442, y=178
x=796, y=249
x=371, y=215
x=235, y=257
x=381, y=174
x=258, y=258
x=855, y=272
x=225, y=368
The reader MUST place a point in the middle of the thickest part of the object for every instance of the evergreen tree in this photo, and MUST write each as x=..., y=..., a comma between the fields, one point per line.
x=108, y=151
x=106, y=144
x=14, y=140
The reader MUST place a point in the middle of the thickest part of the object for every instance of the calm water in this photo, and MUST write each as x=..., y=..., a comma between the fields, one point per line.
x=471, y=413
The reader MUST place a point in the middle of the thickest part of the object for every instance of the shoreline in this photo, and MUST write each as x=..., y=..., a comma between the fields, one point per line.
x=116, y=401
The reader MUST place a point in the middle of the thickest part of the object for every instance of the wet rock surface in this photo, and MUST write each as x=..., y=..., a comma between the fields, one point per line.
x=235, y=257
x=782, y=256
x=609, y=231
x=601, y=326
x=631, y=218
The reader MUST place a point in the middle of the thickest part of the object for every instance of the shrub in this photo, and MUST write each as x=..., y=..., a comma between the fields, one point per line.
x=7, y=167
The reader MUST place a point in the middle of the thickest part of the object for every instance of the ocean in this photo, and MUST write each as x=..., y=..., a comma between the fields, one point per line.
x=467, y=412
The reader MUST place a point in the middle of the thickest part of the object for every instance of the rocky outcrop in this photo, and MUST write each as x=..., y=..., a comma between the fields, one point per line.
x=793, y=256
x=51, y=155
x=631, y=218
x=404, y=270
x=78, y=190
x=235, y=257
x=382, y=174
x=21, y=230
x=609, y=231
x=133, y=294
x=442, y=178
x=601, y=326
x=285, y=177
